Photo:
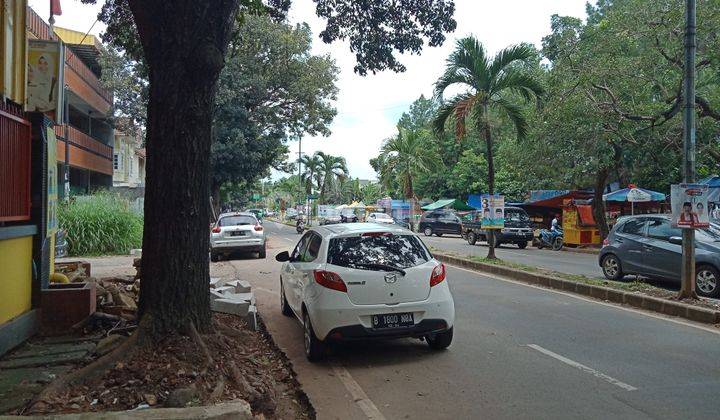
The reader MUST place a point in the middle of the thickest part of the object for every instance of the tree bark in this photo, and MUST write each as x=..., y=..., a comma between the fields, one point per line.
x=598, y=205
x=215, y=194
x=491, y=175
x=184, y=42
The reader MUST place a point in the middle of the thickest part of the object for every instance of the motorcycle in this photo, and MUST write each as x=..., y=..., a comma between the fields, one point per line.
x=300, y=225
x=551, y=239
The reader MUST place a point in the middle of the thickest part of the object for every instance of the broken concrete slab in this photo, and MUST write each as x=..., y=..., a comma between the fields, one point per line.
x=251, y=318
x=241, y=286
x=18, y=386
x=215, y=282
x=229, y=306
x=225, y=289
x=247, y=297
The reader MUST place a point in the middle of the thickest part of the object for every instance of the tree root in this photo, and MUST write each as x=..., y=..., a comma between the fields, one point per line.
x=240, y=381
x=218, y=390
x=89, y=372
x=195, y=335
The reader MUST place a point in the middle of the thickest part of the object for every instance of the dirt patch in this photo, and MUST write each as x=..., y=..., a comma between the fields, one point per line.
x=175, y=372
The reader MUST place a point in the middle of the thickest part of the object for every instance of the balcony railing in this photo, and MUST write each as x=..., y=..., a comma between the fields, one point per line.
x=84, y=141
x=76, y=64
x=14, y=165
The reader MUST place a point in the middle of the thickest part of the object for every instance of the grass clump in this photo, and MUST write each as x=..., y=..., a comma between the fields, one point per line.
x=100, y=224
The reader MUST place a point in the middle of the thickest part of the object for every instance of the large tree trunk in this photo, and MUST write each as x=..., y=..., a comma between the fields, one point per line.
x=491, y=175
x=598, y=205
x=215, y=194
x=184, y=42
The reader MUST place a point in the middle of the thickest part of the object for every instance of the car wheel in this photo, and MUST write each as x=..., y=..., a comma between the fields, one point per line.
x=428, y=231
x=706, y=281
x=213, y=257
x=262, y=253
x=440, y=341
x=471, y=238
x=522, y=245
x=284, y=307
x=611, y=267
x=314, y=348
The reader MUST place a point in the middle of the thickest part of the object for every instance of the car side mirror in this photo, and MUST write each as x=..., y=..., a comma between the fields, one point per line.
x=283, y=256
x=677, y=240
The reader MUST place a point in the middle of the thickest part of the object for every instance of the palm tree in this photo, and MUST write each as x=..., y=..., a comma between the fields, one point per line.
x=490, y=86
x=405, y=156
x=332, y=168
x=309, y=175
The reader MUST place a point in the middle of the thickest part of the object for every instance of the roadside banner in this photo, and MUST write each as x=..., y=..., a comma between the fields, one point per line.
x=689, y=206
x=493, y=211
x=45, y=78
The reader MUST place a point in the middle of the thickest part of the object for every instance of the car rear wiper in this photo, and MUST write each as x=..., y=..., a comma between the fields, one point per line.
x=385, y=267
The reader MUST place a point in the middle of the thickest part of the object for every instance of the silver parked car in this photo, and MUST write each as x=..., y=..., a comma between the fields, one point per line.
x=649, y=246
x=236, y=232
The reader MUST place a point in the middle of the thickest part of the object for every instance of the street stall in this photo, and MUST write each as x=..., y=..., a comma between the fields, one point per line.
x=543, y=205
x=450, y=204
x=578, y=223
x=713, y=183
x=640, y=200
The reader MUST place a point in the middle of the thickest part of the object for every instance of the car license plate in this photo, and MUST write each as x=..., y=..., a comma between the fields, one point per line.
x=237, y=233
x=398, y=320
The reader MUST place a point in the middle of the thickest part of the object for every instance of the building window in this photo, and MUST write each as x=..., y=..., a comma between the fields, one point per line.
x=116, y=161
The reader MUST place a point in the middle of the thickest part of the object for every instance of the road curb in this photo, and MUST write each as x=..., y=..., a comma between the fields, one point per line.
x=636, y=300
x=591, y=251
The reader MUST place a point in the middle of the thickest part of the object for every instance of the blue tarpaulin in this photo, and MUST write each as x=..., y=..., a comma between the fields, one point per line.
x=622, y=195
x=713, y=183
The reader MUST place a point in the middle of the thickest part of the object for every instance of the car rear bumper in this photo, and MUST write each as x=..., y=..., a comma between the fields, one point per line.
x=248, y=245
x=330, y=310
x=515, y=237
x=360, y=332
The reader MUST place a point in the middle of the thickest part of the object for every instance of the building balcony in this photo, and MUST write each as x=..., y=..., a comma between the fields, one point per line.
x=85, y=152
x=83, y=82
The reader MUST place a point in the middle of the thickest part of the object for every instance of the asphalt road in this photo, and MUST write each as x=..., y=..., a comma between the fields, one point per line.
x=564, y=262
x=519, y=352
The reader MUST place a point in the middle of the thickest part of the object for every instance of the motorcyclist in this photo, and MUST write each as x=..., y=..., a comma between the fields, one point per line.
x=555, y=224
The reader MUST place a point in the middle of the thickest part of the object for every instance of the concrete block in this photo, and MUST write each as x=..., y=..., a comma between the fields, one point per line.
x=136, y=252
x=214, y=294
x=229, y=306
x=236, y=410
x=243, y=297
x=241, y=286
x=225, y=289
x=653, y=304
x=251, y=318
x=704, y=315
x=633, y=299
x=215, y=282
x=615, y=296
x=583, y=289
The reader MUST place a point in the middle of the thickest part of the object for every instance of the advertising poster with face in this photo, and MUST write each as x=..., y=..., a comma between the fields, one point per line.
x=689, y=206
x=43, y=76
x=493, y=211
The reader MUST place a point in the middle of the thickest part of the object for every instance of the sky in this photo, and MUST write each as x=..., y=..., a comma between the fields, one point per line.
x=368, y=107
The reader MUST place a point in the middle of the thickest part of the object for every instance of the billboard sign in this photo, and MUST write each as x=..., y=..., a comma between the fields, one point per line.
x=492, y=211
x=689, y=206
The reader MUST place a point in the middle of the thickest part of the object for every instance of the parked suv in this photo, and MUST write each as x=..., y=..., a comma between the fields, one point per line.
x=648, y=245
x=439, y=222
x=236, y=232
x=517, y=230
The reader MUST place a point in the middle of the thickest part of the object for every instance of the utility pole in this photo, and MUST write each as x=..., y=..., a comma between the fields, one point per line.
x=687, y=288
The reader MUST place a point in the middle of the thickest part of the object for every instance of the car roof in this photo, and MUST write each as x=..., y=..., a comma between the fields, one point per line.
x=357, y=228
x=637, y=216
x=236, y=213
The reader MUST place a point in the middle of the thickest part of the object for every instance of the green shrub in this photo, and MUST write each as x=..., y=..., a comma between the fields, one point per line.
x=100, y=224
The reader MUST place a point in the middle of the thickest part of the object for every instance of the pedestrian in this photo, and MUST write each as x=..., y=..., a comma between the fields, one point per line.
x=716, y=211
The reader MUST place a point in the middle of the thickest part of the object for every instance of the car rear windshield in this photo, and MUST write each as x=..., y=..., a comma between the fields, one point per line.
x=402, y=251
x=237, y=221
x=516, y=215
x=382, y=216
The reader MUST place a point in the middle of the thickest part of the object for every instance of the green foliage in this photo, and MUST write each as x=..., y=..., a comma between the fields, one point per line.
x=100, y=224
x=404, y=157
x=259, y=108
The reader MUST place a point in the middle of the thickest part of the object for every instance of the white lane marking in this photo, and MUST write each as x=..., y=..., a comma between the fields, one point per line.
x=361, y=399
x=261, y=289
x=584, y=368
x=598, y=302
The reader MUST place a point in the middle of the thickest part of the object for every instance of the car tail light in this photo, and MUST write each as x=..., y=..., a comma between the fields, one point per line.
x=216, y=229
x=438, y=275
x=258, y=228
x=606, y=242
x=330, y=280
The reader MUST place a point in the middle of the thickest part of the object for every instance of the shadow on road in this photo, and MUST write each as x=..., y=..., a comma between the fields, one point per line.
x=380, y=352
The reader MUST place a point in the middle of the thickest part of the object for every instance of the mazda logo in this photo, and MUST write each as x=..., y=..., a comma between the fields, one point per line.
x=390, y=278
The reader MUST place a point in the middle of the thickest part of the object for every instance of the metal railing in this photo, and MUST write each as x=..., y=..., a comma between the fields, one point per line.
x=84, y=141
x=15, y=149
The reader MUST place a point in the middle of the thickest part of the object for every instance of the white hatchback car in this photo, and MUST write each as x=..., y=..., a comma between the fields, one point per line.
x=361, y=280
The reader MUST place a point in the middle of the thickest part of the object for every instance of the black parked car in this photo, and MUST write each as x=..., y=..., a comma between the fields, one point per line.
x=439, y=222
